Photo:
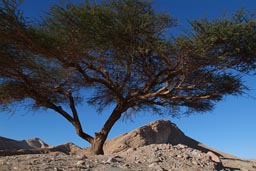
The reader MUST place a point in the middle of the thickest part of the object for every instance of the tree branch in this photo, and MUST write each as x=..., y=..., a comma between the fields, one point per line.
x=202, y=97
x=121, y=107
x=109, y=84
x=77, y=123
x=156, y=93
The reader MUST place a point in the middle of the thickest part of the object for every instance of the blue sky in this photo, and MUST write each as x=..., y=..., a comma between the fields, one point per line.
x=229, y=128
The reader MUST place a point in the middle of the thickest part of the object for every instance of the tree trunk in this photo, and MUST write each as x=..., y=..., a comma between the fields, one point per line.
x=97, y=144
x=100, y=137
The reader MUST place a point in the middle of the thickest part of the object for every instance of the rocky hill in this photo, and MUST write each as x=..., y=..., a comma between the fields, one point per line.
x=9, y=144
x=157, y=146
x=158, y=132
x=9, y=147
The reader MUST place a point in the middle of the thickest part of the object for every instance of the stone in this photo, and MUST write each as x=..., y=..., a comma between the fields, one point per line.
x=194, y=162
x=57, y=169
x=131, y=150
x=113, y=159
x=114, y=169
x=156, y=167
x=80, y=162
x=82, y=157
x=213, y=157
x=181, y=146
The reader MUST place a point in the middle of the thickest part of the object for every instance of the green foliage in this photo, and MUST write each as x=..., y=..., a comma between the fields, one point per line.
x=231, y=40
x=119, y=47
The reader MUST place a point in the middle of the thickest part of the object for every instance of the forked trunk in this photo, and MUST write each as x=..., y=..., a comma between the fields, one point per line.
x=97, y=145
x=100, y=137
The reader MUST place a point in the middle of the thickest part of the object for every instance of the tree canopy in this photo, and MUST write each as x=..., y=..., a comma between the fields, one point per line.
x=119, y=51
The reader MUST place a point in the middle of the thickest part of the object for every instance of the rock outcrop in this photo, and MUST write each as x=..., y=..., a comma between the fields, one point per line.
x=158, y=132
x=36, y=143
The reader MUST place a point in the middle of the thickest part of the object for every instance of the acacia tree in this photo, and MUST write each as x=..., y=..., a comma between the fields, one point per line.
x=119, y=51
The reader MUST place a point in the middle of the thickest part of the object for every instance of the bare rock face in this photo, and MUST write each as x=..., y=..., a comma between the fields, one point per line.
x=67, y=148
x=36, y=143
x=158, y=132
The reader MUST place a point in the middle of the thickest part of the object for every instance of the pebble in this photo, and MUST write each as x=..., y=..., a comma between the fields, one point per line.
x=181, y=146
x=113, y=159
x=80, y=162
x=114, y=169
x=156, y=167
x=57, y=169
x=82, y=157
x=213, y=157
x=130, y=150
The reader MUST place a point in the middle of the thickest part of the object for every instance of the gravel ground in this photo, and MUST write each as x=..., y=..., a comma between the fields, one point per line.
x=154, y=157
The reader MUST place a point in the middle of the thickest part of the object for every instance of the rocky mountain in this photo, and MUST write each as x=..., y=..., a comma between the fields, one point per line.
x=157, y=146
x=9, y=144
x=157, y=132
x=33, y=146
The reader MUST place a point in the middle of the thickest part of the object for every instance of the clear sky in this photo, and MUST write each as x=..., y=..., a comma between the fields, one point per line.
x=229, y=128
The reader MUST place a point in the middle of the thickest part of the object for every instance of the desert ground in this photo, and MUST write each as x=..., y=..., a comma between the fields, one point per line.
x=157, y=146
